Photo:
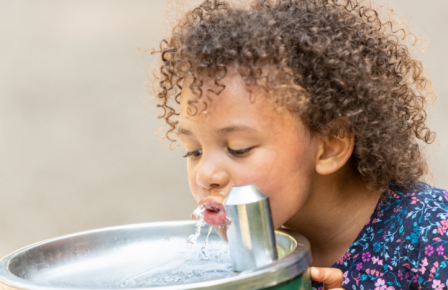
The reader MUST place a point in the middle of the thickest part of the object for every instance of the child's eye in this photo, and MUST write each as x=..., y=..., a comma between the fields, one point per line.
x=195, y=154
x=239, y=153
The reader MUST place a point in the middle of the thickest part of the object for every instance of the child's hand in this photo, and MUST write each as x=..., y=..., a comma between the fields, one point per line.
x=331, y=277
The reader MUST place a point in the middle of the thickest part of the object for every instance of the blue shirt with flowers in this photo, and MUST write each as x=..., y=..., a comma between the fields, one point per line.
x=402, y=246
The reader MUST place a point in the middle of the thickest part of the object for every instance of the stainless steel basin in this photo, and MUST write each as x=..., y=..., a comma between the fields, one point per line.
x=145, y=256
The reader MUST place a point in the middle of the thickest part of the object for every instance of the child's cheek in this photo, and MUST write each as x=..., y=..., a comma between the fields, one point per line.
x=265, y=170
x=287, y=178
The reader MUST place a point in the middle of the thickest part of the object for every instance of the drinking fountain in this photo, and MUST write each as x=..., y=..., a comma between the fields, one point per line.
x=157, y=256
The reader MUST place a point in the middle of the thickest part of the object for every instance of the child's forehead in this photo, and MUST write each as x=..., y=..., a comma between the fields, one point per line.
x=232, y=97
x=228, y=96
x=234, y=107
x=232, y=78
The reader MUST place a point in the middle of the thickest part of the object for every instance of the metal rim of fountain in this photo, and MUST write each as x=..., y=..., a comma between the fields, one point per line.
x=295, y=263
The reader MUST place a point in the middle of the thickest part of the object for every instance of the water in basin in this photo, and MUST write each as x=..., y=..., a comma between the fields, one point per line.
x=133, y=263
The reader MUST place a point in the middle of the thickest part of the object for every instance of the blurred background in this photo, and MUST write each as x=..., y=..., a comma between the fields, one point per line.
x=78, y=148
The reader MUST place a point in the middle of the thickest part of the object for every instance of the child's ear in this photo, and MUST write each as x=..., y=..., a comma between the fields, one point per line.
x=333, y=153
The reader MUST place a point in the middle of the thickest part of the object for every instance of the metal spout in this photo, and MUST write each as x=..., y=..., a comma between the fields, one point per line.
x=251, y=234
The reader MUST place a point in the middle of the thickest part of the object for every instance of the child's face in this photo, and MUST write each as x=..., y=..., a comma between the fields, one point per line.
x=239, y=141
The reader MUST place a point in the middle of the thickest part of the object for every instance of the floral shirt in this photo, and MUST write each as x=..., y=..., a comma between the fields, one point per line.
x=402, y=246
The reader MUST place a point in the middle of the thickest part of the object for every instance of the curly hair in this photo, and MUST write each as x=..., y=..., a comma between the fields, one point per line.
x=334, y=64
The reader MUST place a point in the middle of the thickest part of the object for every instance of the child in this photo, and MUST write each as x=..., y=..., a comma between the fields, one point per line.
x=320, y=104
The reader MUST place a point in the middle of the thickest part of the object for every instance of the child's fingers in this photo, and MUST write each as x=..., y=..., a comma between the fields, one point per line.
x=331, y=277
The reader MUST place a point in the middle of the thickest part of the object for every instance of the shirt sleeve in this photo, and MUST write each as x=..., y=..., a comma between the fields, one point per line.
x=432, y=226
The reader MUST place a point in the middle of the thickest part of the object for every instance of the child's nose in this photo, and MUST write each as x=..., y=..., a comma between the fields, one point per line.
x=211, y=174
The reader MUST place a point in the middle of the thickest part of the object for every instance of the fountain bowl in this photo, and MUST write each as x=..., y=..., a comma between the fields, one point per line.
x=149, y=256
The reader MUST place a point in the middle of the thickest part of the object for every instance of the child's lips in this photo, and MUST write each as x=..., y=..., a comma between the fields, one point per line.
x=215, y=217
x=214, y=213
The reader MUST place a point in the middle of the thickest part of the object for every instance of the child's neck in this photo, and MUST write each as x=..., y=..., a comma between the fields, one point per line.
x=338, y=208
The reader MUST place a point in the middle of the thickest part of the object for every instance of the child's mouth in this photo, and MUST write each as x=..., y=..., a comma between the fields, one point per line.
x=214, y=213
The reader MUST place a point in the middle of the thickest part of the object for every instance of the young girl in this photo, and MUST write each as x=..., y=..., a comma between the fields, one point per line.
x=319, y=103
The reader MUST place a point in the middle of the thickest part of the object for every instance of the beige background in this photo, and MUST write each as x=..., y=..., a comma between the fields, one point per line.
x=78, y=148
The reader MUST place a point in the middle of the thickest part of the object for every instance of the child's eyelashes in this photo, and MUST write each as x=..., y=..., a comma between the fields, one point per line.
x=195, y=154
x=239, y=153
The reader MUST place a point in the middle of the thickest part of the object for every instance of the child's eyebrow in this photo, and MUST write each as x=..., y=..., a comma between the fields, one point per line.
x=184, y=132
x=235, y=128
x=224, y=130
